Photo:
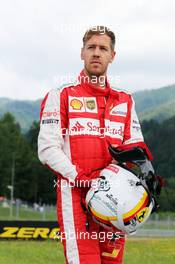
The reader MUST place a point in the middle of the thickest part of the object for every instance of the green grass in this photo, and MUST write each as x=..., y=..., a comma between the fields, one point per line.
x=27, y=214
x=50, y=215
x=148, y=251
x=30, y=252
x=30, y=214
x=145, y=251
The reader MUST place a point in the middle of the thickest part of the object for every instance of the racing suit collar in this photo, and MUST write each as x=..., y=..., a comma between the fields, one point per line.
x=92, y=89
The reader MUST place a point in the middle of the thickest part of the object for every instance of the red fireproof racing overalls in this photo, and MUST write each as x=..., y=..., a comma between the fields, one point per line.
x=78, y=122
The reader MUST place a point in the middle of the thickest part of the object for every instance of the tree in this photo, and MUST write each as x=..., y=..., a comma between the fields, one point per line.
x=10, y=136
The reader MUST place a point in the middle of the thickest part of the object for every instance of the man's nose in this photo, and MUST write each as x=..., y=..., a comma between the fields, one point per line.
x=96, y=52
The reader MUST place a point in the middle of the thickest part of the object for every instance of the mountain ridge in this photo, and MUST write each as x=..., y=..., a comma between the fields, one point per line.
x=158, y=104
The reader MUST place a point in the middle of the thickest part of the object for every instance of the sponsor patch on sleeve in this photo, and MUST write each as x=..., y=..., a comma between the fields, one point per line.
x=50, y=116
x=119, y=110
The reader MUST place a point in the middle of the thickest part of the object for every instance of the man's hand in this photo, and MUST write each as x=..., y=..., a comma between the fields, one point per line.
x=83, y=180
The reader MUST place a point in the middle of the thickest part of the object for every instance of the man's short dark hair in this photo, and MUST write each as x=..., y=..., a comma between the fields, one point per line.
x=99, y=30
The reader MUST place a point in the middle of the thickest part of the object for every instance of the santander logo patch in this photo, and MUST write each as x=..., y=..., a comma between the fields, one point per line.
x=88, y=126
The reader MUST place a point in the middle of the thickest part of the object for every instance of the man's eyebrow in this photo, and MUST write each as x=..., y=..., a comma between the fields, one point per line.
x=101, y=46
x=104, y=46
x=91, y=45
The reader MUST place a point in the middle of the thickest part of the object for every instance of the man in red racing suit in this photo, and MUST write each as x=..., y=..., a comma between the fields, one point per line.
x=78, y=122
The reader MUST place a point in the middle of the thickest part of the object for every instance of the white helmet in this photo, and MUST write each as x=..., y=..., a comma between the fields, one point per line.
x=118, y=200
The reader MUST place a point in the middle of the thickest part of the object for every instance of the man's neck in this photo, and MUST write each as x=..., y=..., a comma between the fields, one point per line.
x=98, y=81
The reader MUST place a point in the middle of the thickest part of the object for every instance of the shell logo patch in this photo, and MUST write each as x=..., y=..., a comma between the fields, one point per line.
x=142, y=214
x=76, y=104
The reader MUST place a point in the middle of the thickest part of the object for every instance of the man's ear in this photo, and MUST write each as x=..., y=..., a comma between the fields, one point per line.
x=82, y=53
x=113, y=55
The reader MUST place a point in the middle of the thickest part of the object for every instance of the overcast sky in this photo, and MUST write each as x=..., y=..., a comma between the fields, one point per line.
x=40, y=42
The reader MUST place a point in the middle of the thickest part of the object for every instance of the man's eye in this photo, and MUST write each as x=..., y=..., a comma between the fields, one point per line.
x=103, y=48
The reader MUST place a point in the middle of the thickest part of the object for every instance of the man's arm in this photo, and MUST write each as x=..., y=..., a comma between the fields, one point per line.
x=51, y=139
x=52, y=136
x=133, y=135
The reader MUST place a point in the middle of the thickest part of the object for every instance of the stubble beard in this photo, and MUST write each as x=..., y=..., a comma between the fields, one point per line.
x=92, y=74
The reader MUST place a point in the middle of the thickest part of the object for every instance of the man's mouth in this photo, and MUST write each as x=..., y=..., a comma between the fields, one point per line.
x=95, y=62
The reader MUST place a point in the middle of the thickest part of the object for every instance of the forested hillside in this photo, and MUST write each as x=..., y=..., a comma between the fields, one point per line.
x=158, y=104
x=149, y=99
x=25, y=112
x=35, y=183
